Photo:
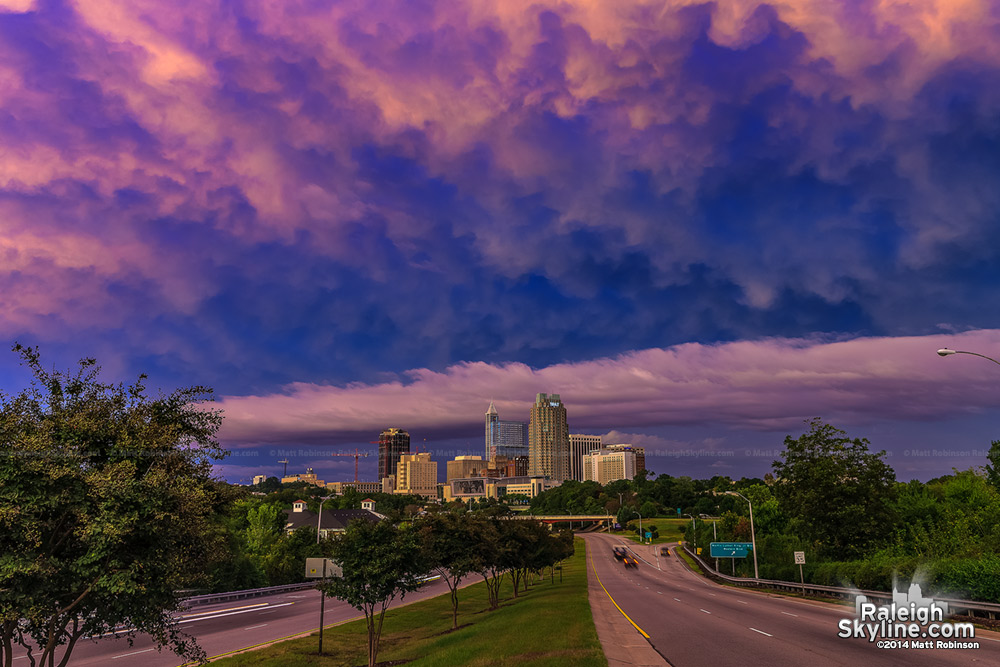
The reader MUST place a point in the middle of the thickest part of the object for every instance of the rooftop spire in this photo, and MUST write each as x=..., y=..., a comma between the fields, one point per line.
x=492, y=409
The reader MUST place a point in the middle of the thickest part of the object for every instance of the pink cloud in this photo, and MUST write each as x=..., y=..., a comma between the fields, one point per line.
x=764, y=385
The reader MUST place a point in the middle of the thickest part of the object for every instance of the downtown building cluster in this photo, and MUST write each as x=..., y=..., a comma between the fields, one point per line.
x=520, y=458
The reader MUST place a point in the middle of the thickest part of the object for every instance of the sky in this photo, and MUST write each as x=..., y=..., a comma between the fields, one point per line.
x=702, y=224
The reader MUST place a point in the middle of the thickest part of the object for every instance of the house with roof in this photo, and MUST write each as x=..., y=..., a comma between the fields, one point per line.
x=332, y=522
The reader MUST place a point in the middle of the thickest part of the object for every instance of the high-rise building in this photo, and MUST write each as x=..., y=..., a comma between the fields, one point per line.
x=416, y=474
x=640, y=455
x=392, y=443
x=548, y=439
x=605, y=466
x=579, y=446
x=504, y=438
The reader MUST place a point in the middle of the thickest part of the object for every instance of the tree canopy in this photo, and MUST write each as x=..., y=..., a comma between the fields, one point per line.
x=838, y=491
x=106, y=499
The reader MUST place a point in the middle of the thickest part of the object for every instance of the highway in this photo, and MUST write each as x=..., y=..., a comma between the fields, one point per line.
x=693, y=622
x=228, y=627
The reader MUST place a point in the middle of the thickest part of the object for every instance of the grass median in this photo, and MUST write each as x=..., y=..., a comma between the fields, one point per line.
x=549, y=624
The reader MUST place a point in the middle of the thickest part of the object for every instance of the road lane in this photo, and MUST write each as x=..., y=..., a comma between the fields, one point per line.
x=694, y=622
x=227, y=627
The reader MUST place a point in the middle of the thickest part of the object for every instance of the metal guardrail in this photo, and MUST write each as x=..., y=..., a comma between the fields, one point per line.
x=212, y=598
x=962, y=607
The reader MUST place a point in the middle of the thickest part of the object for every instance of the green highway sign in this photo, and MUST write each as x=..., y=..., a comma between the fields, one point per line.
x=731, y=549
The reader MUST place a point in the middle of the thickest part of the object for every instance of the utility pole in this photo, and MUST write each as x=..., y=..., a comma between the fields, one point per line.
x=285, y=461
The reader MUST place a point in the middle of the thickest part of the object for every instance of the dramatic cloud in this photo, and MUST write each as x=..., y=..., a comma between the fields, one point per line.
x=304, y=195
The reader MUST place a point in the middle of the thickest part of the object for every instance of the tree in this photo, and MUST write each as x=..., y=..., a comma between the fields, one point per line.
x=488, y=546
x=993, y=470
x=379, y=562
x=446, y=540
x=839, y=492
x=106, y=501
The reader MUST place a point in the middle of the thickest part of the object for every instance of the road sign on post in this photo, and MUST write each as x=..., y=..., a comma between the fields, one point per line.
x=321, y=568
x=800, y=560
x=731, y=549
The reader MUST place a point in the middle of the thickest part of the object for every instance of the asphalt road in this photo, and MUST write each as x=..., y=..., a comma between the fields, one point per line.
x=692, y=622
x=222, y=628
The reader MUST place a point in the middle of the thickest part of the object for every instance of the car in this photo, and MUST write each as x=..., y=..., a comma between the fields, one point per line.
x=631, y=561
x=620, y=552
x=664, y=551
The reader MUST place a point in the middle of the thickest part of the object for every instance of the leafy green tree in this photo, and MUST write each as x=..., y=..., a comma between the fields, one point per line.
x=446, y=541
x=379, y=562
x=488, y=547
x=993, y=469
x=840, y=493
x=106, y=507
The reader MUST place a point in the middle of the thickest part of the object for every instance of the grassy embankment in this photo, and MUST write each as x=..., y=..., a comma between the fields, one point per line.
x=550, y=624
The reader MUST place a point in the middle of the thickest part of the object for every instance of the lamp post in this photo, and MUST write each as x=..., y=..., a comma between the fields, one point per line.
x=945, y=352
x=641, y=538
x=753, y=535
x=319, y=518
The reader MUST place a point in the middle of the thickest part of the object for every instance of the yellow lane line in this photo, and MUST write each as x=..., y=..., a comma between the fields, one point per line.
x=643, y=632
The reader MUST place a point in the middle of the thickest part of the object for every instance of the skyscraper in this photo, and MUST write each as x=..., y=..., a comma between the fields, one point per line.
x=504, y=438
x=579, y=446
x=392, y=442
x=492, y=432
x=548, y=438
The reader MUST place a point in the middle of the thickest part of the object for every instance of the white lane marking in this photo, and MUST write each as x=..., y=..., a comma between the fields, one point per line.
x=705, y=610
x=232, y=613
x=761, y=632
x=678, y=599
x=742, y=602
x=712, y=594
x=254, y=627
x=125, y=655
x=790, y=614
x=659, y=592
x=268, y=612
x=219, y=611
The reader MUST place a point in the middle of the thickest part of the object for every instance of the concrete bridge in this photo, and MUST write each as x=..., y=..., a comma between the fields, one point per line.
x=562, y=518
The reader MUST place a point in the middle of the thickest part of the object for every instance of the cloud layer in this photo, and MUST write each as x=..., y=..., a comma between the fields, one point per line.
x=770, y=385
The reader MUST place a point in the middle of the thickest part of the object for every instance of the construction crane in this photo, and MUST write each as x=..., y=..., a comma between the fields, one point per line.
x=357, y=454
x=285, y=461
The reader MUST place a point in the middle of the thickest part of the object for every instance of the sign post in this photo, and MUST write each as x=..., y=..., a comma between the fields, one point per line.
x=800, y=559
x=316, y=569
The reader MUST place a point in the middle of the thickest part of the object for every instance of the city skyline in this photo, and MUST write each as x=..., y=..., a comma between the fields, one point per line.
x=702, y=224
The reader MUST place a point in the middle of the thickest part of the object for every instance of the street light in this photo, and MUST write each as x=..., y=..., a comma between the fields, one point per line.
x=945, y=352
x=319, y=519
x=753, y=535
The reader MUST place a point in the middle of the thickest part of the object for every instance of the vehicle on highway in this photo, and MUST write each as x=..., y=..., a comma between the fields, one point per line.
x=620, y=552
x=630, y=561
x=664, y=551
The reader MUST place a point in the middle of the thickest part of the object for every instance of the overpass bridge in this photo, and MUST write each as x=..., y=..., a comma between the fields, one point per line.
x=563, y=518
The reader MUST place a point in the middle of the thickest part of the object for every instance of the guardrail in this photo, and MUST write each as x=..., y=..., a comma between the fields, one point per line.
x=212, y=598
x=962, y=607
